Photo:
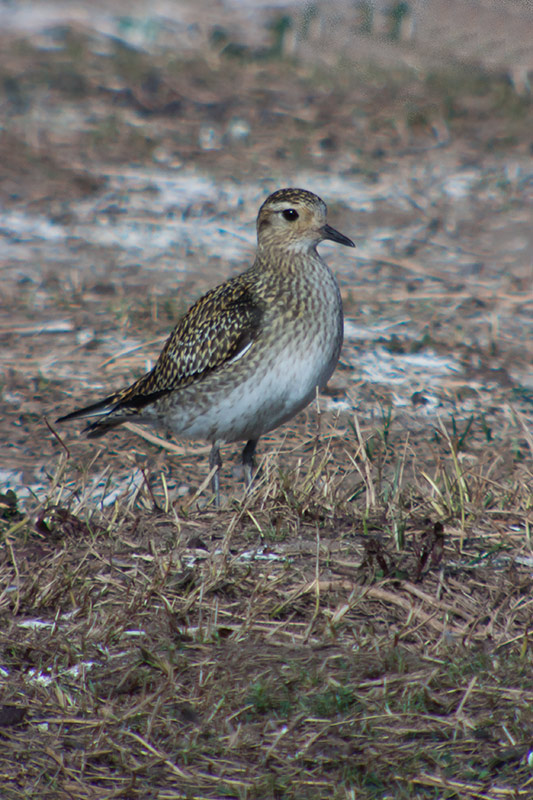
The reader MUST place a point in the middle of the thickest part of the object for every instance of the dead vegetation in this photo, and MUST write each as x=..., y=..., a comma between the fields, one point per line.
x=297, y=643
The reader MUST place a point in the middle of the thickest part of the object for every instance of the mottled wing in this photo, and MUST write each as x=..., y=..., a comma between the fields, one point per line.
x=215, y=331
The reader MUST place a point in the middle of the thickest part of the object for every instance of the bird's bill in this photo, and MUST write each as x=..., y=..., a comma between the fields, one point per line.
x=334, y=236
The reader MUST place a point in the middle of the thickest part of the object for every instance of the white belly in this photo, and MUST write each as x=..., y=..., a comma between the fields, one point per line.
x=256, y=404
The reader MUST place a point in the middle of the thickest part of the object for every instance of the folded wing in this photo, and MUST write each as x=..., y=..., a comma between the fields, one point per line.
x=217, y=329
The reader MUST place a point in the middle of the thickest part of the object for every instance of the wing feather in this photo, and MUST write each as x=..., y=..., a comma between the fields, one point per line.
x=214, y=331
x=217, y=329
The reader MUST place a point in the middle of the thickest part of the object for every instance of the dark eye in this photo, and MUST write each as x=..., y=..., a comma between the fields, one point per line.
x=290, y=214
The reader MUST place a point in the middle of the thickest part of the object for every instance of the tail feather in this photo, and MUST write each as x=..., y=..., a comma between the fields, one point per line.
x=99, y=409
x=101, y=426
x=103, y=411
x=112, y=410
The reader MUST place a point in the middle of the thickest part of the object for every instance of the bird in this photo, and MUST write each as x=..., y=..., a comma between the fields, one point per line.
x=253, y=351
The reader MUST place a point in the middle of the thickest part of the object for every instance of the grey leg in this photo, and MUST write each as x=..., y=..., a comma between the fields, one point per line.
x=215, y=461
x=248, y=461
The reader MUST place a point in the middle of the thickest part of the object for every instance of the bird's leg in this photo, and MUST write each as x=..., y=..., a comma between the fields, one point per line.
x=248, y=461
x=215, y=461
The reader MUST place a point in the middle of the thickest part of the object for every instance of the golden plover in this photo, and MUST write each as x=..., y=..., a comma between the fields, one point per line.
x=251, y=352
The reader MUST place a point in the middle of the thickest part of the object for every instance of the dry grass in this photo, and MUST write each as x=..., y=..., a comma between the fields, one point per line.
x=295, y=644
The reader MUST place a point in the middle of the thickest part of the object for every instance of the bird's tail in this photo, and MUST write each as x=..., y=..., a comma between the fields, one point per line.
x=105, y=412
x=117, y=408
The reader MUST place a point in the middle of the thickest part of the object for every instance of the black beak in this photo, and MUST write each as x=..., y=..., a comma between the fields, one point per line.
x=330, y=233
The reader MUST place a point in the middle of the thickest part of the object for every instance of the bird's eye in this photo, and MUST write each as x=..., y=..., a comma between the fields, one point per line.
x=290, y=214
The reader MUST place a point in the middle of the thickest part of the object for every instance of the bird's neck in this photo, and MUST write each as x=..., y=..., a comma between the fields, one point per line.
x=288, y=257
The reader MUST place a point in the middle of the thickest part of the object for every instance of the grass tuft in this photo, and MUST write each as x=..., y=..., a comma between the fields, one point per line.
x=294, y=643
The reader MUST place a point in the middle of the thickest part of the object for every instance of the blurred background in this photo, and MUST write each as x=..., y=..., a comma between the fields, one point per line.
x=138, y=140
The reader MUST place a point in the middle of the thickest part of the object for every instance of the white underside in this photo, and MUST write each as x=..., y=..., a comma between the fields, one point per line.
x=257, y=404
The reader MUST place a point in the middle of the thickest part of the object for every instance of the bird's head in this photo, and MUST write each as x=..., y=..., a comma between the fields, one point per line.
x=295, y=219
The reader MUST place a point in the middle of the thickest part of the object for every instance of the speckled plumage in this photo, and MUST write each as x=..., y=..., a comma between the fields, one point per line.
x=251, y=352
